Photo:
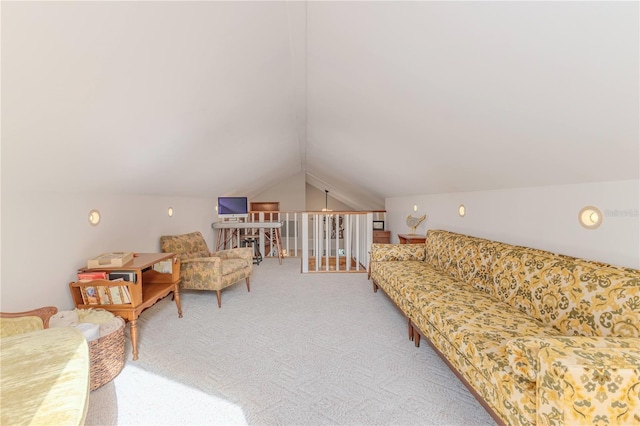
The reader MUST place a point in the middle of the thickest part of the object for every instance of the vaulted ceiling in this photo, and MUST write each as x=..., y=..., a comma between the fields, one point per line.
x=375, y=99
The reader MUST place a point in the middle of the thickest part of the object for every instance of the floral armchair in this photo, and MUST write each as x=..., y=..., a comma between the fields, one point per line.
x=203, y=270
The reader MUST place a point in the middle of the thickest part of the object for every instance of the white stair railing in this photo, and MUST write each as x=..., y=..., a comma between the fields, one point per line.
x=333, y=241
x=336, y=241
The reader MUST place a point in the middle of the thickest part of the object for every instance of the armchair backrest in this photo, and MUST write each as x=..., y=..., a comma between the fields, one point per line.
x=186, y=246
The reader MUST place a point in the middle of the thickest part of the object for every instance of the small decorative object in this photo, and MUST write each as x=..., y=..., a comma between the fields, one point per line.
x=378, y=225
x=413, y=222
x=106, y=260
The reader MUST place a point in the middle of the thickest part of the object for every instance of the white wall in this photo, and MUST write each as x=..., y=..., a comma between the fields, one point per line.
x=316, y=201
x=46, y=237
x=289, y=192
x=540, y=217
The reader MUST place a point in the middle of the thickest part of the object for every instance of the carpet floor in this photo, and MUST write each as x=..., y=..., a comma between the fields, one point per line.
x=299, y=349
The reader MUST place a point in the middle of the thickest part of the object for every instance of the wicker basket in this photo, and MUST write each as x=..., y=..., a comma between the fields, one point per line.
x=107, y=357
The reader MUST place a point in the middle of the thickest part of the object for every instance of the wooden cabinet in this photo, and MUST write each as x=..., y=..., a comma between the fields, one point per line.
x=149, y=286
x=266, y=206
x=411, y=238
x=382, y=237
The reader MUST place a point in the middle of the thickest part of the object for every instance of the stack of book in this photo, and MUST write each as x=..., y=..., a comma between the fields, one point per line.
x=110, y=294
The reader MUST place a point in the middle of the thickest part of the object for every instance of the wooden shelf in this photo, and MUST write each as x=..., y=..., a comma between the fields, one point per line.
x=149, y=287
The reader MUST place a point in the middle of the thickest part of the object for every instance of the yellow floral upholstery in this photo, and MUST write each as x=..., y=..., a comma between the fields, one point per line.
x=14, y=326
x=203, y=270
x=44, y=372
x=597, y=385
x=503, y=315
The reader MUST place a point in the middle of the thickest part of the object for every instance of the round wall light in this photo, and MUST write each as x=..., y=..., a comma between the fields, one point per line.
x=590, y=217
x=462, y=210
x=170, y=211
x=94, y=217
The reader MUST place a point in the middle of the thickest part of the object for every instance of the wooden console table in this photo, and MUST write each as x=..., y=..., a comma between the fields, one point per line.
x=412, y=238
x=149, y=287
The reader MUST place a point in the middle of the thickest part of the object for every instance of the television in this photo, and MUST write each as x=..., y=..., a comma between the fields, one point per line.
x=232, y=208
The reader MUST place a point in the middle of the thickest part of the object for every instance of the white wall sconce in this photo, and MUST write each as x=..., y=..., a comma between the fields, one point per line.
x=170, y=211
x=415, y=207
x=590, y=217
x=462, y=210
x=94, y=217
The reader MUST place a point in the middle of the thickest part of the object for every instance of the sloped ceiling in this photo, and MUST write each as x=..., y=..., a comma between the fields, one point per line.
x=373, y=99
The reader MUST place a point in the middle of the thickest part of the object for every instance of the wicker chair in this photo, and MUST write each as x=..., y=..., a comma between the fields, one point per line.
x=203, y=270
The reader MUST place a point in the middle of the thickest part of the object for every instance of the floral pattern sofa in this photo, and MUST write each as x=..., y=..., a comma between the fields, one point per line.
x=539, y=338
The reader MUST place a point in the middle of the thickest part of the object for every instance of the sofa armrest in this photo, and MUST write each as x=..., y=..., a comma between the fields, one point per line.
x=590, y=384
x=397, y=252
x=207, y=262
x=236, y=253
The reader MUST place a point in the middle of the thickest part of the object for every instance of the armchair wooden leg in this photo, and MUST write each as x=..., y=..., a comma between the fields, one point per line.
x=248, y=285
x=219, y=299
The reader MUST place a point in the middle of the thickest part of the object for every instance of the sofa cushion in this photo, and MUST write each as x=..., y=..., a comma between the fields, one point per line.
x=440, y=249
x=473, y=260
x=45, y=378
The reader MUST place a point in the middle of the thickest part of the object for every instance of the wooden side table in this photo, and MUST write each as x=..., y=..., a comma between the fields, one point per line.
x=148, y=287
x=412, y=238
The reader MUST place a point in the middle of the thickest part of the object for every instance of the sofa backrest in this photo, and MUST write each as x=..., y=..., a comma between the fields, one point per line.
x=468, y=259
x=575, y=296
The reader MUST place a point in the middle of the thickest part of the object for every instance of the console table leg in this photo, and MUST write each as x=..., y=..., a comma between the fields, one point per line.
x=176, y=296
x=134, y=338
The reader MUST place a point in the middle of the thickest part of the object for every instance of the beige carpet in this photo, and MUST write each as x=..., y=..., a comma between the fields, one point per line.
x=314, y=349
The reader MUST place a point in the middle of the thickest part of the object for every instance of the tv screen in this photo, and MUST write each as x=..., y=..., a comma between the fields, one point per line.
x=232, y=207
